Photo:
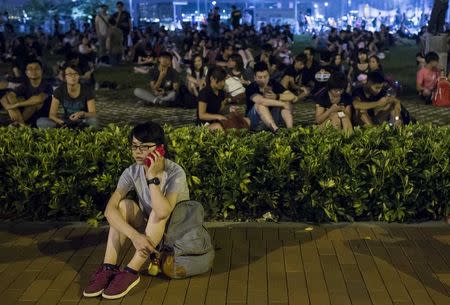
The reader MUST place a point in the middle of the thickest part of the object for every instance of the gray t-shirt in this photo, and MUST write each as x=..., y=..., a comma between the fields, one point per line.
x=173, y=181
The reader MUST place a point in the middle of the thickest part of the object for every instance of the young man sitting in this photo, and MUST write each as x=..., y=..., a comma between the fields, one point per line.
x=159, y=188
x=293, y=78
x=164, y=84
x=265, y=109
x=335, y=105
x=32, y=99
x=373, y=105
x=211, y=104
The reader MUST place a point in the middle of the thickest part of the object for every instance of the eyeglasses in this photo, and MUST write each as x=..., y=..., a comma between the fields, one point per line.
x=142, y=147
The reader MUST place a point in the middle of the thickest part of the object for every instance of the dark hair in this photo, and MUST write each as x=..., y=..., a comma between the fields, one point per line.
x=202, y=69
x=337, y=81
x=71, y=66
x=311, y=50
x=112, y=21
x=377, y=59
x=301, y=58
x=363, y=51
x=165, y=54
x=71, y=56
x=260, y=66
x=237, y=58
x=218, y=73
x=267, y=47
x=119, y=3
x=326, y=56
x=431, y=56
x=233, y=7
x=103, y=6
x=34, y=60
x=226, y=46
x=148, y=132
x=375, y=77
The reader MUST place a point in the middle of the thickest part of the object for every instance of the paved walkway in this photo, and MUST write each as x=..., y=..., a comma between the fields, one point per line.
x=113, y=108
x=257, y=264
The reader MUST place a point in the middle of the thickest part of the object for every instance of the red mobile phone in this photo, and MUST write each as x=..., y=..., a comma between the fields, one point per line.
x=148, y=160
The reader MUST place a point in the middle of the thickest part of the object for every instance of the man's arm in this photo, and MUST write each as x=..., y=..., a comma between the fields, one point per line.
x=260, y=100
x=359, y=105
x=205, y=116
x=34, y=100
x=53, y=115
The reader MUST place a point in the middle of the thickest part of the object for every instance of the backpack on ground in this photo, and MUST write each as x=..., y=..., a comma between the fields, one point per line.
x=187, y=249
x=441, y=97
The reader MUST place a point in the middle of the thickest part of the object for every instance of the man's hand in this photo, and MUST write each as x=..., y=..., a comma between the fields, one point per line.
x=157, y=165
x=270, y=95
x=337, y=108
x=12, y=107
x=77, y=116
x=162, y=71
x=143, y=244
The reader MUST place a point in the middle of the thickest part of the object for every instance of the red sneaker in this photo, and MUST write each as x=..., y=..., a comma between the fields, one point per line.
x=121, y=284
x=99, y=281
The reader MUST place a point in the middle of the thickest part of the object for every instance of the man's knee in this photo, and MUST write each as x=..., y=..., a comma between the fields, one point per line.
x=260, y=108
x=127, y=210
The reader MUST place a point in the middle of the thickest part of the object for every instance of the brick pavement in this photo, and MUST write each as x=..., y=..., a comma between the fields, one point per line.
x=122, y=110
x=256, y=264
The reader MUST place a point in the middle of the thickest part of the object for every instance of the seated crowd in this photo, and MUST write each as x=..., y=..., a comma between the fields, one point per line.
x=343, y=75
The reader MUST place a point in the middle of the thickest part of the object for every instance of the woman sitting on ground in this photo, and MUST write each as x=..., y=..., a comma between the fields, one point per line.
x=196, y=75
x=77, y=100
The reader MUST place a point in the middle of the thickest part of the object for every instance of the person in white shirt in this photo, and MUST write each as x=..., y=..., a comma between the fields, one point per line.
x=101, y=28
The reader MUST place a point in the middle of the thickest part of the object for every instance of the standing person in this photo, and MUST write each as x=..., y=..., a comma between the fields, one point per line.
x=114, y=43
x=160, y=187
x=101, y=28
x=236, y=16
x=214, y=24
x=77, y=100
x=437, y=18
x=123, y=21
x=31, y=100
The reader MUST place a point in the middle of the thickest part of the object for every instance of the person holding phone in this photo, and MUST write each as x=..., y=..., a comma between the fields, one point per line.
x=335, y=105
x=160, y=184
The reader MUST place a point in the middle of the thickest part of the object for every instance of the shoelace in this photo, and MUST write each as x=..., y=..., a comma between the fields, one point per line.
x=116, y=281
x=96, y=275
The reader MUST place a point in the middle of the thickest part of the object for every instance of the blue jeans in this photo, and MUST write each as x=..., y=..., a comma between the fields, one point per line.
x=47, y=123
x=256, y=124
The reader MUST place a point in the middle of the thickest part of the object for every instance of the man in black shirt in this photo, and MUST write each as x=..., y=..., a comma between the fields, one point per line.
x=311, y=66
x=32, y=99
x=267, y=57
x=293, y=78
x=211, y=99
x=123, y=21
x=323, y=73
x=373, y=104
x=265, y=109
x=164, y=84
x=236, y=16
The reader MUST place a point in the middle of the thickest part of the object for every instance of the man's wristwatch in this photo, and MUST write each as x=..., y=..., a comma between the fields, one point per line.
x=154, y=181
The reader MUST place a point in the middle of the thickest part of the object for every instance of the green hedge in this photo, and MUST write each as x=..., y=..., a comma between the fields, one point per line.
x=301, y=174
